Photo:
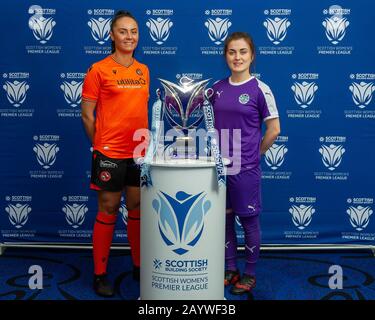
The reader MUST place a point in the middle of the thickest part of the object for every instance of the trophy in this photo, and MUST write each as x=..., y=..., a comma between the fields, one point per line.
x=185, y=106
x=182, y=108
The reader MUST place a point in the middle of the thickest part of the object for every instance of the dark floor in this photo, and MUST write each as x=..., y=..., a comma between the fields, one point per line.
x=281, y=275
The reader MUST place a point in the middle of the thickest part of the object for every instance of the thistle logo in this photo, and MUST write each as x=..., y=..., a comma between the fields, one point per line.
x=218, y=29
x=100, y=29
x=159, y=29
x=157, y=264
x=72, y=92
x=335, y=28
x=304, y=93
x=46, y=154
x=181, y=219
x=276, y=29
x=301, y=215
x=275, y=156
x=124, y=214
x=18, y=214
x=362, y=93
x=332, y=155
x=75, y=214
x=359, y=216
x=42, y=27
x=16, y=92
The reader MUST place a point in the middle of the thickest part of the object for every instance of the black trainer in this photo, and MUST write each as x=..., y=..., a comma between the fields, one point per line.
x=244, y=285
x=102, y=286
x=231, y=277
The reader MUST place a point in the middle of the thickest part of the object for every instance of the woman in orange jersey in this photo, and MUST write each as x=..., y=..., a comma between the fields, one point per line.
x=114, y=106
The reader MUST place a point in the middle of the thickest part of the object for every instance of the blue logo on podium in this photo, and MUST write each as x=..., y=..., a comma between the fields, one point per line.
x=181, y=219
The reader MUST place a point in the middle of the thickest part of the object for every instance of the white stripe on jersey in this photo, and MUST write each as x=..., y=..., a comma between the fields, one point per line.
x=270, y=100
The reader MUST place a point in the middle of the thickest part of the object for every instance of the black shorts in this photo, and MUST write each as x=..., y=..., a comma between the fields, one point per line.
x=113, y=174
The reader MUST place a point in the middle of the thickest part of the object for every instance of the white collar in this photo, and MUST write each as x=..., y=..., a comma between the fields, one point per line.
x=239, y=83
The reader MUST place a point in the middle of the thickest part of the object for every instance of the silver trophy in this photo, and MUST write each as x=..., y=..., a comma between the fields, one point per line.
x=182, y=107
x=185, y=106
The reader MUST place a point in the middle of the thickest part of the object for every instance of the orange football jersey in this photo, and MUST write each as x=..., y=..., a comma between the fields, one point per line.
x=121, y=95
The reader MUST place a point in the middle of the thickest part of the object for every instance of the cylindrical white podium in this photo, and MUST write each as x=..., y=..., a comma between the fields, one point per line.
x=182, y=232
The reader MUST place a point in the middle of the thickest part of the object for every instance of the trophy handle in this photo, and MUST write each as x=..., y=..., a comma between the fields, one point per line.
x=208, y=93
x=160, y=94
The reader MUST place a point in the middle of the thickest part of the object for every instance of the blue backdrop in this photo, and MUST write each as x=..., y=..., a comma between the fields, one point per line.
x=317, y=56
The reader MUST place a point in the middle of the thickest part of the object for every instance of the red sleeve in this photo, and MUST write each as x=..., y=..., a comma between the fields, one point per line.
x=91, y=84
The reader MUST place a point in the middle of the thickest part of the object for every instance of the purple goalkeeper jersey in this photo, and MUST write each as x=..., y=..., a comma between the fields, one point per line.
x=243, y=106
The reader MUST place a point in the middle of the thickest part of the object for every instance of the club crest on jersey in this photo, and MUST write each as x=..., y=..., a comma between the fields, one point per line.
x=244, y=98
x=139, y=72
x=105, y=176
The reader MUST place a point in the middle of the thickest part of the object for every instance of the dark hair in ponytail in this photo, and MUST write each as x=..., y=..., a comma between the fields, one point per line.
x=120, y=14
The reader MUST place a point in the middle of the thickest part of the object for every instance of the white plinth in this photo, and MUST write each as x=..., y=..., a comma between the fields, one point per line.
x=182, y=232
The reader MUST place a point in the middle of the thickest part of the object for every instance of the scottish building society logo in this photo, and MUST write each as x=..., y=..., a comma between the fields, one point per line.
x=18, y=214
x=16, y=92
x=275, y=156
x=181, y=219
x=159, y=29
x=75, y=214
x=304, y=93
x=157, y=264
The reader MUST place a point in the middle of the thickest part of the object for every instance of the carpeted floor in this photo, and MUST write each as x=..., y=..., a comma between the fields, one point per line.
x=281, y=275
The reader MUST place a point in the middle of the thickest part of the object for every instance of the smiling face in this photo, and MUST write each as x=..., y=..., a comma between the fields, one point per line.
x=239, y=56
x=125, y=34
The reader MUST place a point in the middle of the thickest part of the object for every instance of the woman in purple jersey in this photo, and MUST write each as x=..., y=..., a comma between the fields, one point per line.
x=242, y=104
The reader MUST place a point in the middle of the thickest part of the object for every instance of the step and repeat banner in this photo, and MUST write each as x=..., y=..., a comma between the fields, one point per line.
x=317, y=57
